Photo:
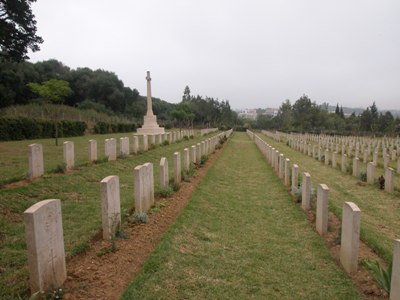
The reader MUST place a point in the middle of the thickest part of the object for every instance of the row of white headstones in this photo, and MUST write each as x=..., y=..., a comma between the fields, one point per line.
x=36, y=161
x=350, y=236
x=299, y=143
x=43, y=220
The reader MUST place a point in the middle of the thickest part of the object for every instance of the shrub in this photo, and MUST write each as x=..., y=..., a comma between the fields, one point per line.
x=164, y=192
x=140, y=218
x=203, y=159
x=165, y=143
x=363, y=176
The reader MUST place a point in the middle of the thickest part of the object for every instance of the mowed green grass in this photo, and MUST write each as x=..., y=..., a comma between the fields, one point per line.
x=14, y=161
x=81, y=208
x=241, y=236
x=380, y=211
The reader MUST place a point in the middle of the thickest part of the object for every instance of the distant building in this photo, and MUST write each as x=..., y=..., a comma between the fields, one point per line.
x=271, y=111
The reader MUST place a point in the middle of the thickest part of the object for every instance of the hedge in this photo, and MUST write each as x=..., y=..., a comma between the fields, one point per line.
x=103, y=127
x=12, y=129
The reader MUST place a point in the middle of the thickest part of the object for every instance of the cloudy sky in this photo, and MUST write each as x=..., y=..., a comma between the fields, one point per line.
x=252, y=53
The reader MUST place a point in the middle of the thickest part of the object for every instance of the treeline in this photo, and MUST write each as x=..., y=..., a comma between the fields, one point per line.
x=306, y=116
x=104, y=92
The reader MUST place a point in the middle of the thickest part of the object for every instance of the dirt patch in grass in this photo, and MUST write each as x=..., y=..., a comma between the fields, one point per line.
x=100, y=273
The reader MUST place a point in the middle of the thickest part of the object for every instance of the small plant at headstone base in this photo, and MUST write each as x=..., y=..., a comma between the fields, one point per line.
x=56, y=294
x=60, y=168
x=287, y=143
x=323, y=158
x=152, y=147
x=381, y=276
x=165, y=143
x=338, y=237
x=140, y=218
x=218, y=146
x=175, y=186
x=349, y=168
x=80, y=248
x=185, y=138
x=101, y=160
x=381, y=182
x=298, y=194
x=363, y=176
x=187, y=174
x=192, y=137
x=141, y=151
x=164, y=192
x=222, y=139
x=122, y=156
x=203, y=159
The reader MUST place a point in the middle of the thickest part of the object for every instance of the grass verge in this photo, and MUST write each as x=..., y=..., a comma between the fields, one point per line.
x=240, y=237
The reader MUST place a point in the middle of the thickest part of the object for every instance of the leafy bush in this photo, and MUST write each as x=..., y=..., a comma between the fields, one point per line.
x=140, y=218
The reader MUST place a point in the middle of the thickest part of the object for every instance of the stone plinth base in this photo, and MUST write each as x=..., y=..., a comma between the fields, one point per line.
x=150, y=126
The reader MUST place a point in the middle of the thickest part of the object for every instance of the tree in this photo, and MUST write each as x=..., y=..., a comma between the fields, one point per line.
x=337, y=110
x=186, y=94
x=17, y=30
x=54, y=91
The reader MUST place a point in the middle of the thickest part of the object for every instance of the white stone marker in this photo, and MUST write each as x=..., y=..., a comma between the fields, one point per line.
x=110, y=149
x=389, y=177
x=295, y=183
x=398, y=166
x=322, y=209
x=375, y=158
x=145, y=142
x=164, y=173
x=198, y=153
x=110, y=206
x=45, y=243
x=186, y=159
x=194, y=156
x=394, y=155
x=365, y=158
x=92, y=150
x=124, y=146
x=356, y=166
x=326, y=157
x=350, y=237
x=140, y=174
x=370, y=172
x=306, y=191
x=344, y=163
x=287, y=172
x=36, y=167
x=149, y=184
x=395, y=282
x=177, y=167
x=69, y=156
x=334, y=164
x=281, y=166
x=135, y=144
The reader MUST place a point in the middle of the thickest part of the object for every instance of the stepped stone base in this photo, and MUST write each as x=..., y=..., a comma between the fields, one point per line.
x=150, y=126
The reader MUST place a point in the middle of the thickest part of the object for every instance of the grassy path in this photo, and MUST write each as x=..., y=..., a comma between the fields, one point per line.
x=380, y=222
x=241, y=236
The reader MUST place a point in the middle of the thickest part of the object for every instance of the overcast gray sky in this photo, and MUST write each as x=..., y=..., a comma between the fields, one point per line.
x=252, y=53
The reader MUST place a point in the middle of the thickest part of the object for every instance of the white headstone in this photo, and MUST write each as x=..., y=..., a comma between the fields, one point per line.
x=92, y=150
x=350, y=237
x=45, y=243
x=186, y=159
x=177, y=167
x=295, y=172
x=322, y=209
x=36, y=167
x=164, y=173
x=110, y=206
x=389, y=178
x=69, y=157
x=306, y=191
x=395, y=281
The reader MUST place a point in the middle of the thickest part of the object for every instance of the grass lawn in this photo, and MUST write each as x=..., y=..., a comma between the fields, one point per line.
x=241, y=236
x=81, y=208
x=380, y=211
